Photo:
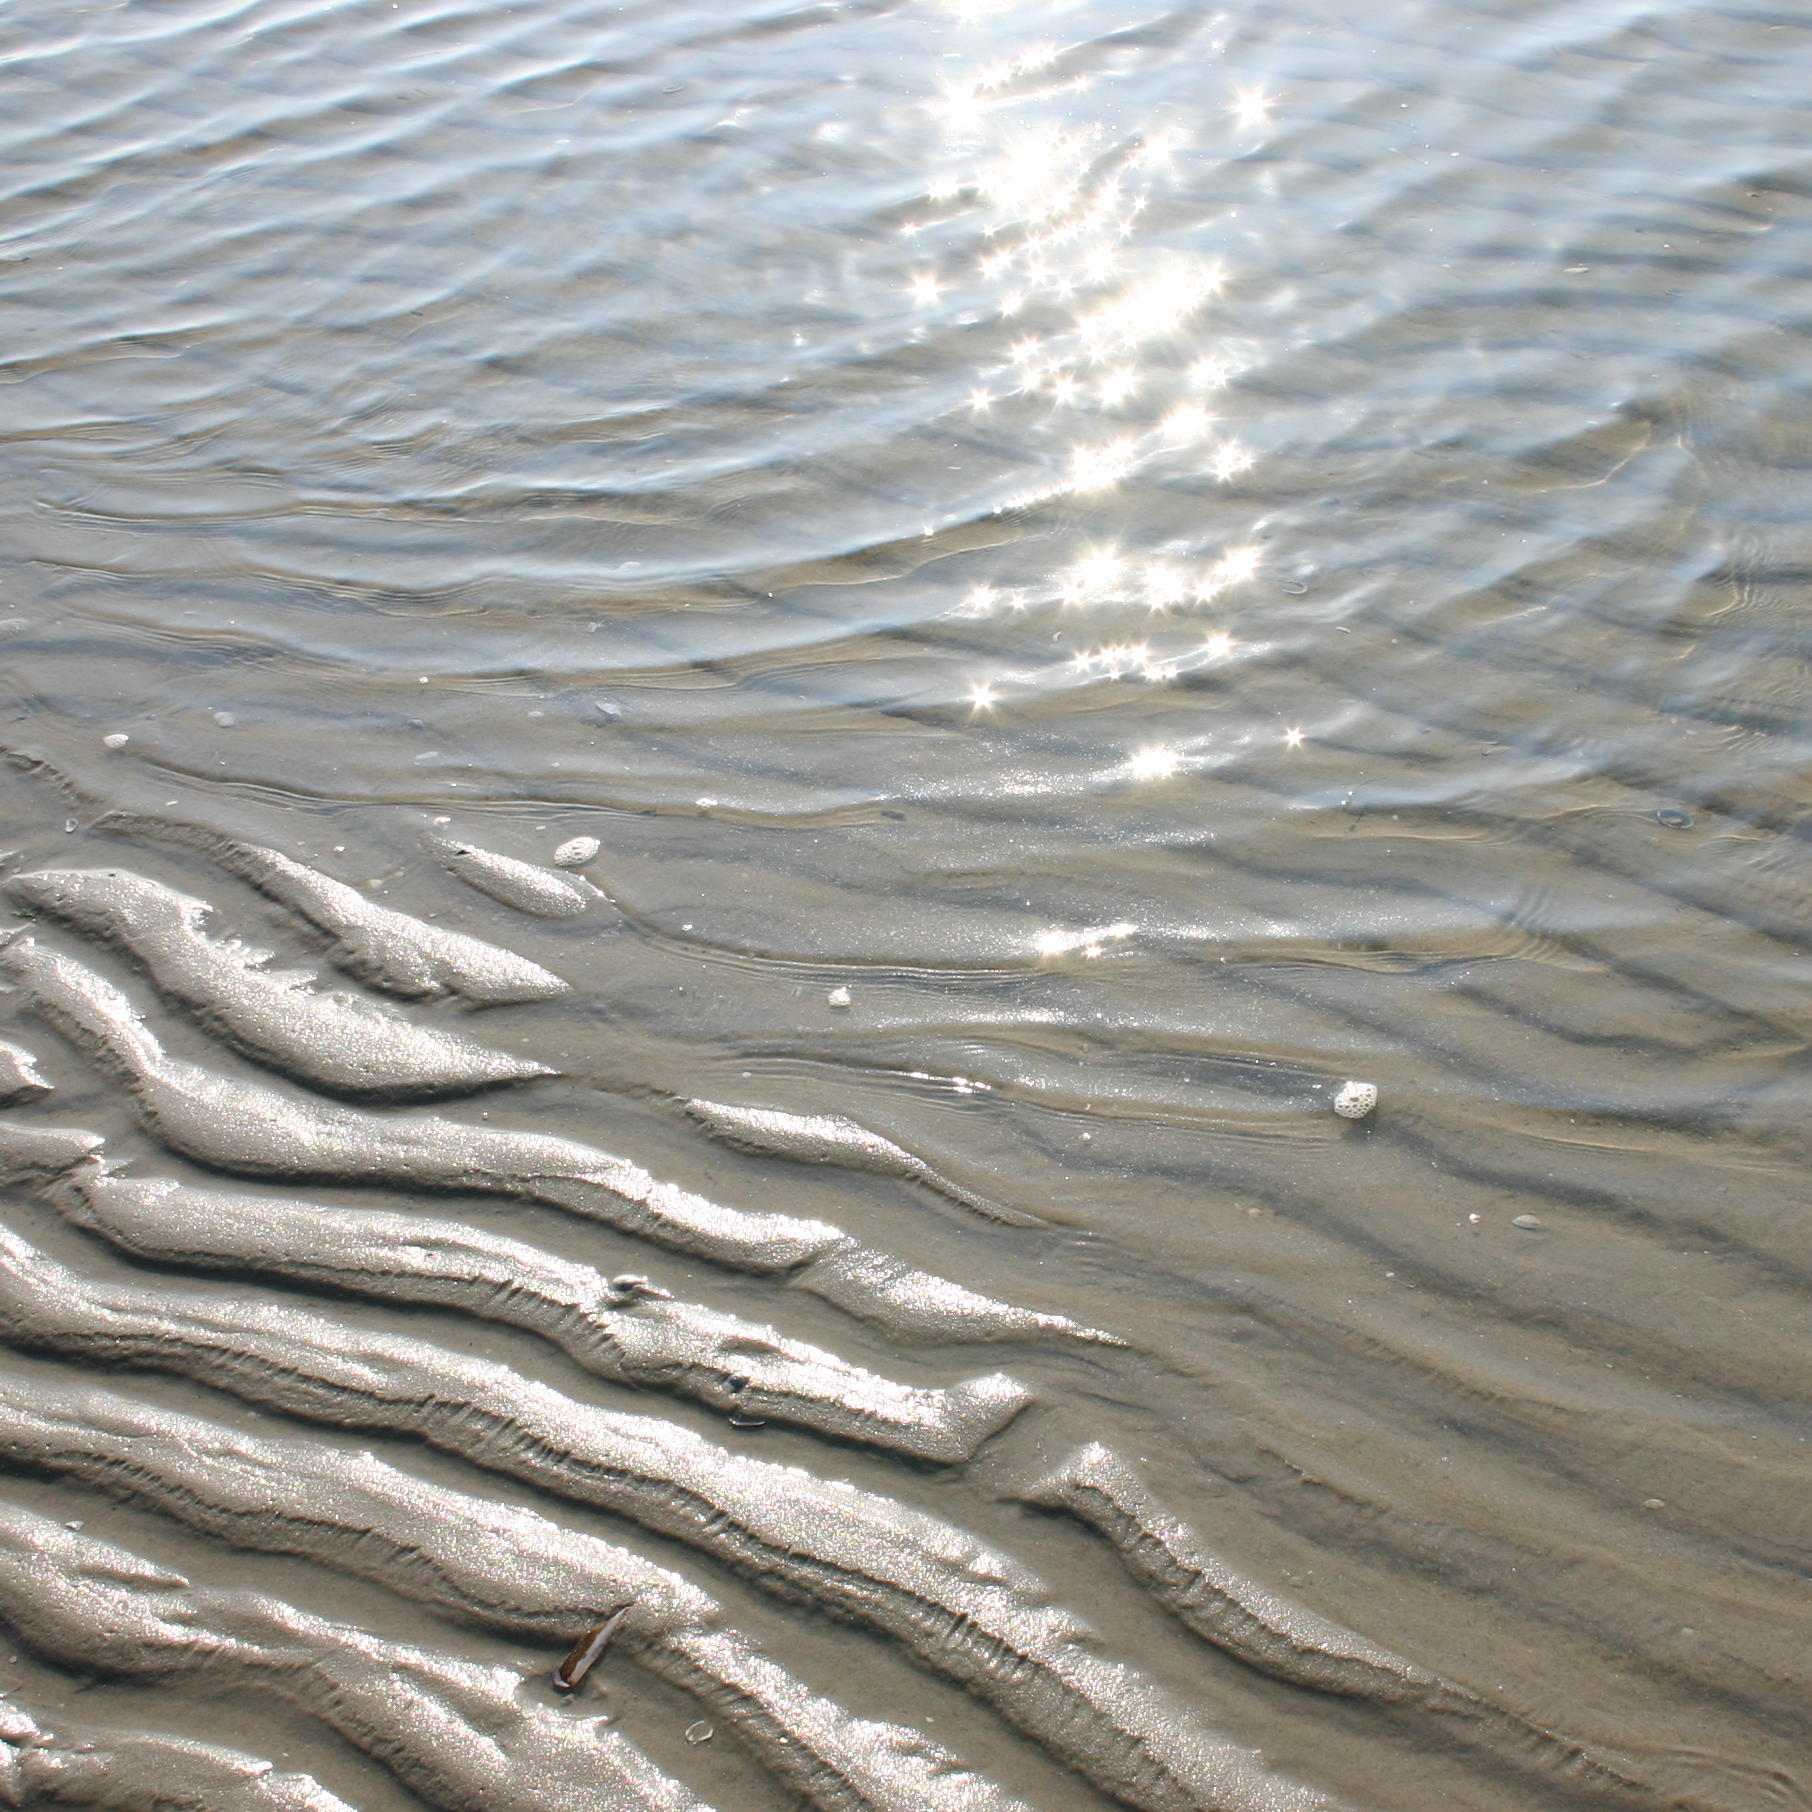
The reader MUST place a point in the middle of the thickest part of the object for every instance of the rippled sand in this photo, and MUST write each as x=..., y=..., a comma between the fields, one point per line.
x=723, y=724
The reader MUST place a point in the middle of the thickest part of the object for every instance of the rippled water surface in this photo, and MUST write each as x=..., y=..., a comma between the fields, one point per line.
x=1093, y=572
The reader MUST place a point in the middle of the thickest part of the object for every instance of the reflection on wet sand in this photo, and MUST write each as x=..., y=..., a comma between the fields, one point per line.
x=956, y=843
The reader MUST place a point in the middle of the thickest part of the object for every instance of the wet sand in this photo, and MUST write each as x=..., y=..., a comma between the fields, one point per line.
x=723, y=724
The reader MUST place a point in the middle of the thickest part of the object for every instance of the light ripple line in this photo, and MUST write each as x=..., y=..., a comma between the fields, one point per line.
x=543, y=893
x=835, y=1139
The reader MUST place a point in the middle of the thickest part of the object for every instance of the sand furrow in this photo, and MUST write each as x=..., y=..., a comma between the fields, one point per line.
x=257, y=1130
x=462, y=1736
x=336, y=1041
x=382, y=947
x=618, y=1329
x=54, y=1762
x=958, y=1605
x=503, y=1568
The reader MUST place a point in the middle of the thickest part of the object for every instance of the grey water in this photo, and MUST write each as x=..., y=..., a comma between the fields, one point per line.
x=1093, y=571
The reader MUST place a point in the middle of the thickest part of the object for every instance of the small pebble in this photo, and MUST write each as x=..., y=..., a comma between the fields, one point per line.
x=1674, y=818
x=1356, y=1100
x=576, y=852
x=1654, y=1503
x=225, y=719
x=838, y=997
x=701, y=1732
x=117, y=740
x=1529, y=1223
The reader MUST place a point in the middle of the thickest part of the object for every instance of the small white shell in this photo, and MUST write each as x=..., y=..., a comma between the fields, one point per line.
x=1356, y=1100
x=116, y=740
x=838, y=997
x=575, y=852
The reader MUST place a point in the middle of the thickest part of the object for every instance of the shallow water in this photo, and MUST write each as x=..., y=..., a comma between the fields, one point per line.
x=1095, y=571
